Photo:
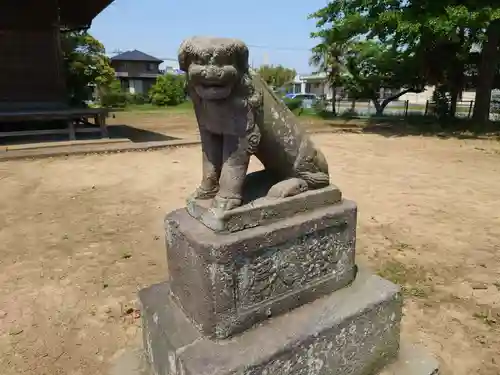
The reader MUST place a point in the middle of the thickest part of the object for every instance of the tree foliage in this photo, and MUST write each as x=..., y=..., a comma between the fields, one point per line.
x=86, y=65
x=373, y=67
x=431, y=39
x=169, y=90
x=113, y=96
x=327, y=58
x=276, y=76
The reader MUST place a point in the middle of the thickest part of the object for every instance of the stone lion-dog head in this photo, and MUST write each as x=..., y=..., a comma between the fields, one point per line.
x=215, y=67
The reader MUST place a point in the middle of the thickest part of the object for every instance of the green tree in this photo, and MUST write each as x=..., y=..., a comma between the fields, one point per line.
x=372, y=67
x=276, y=76
x=363, y=60
x=86, y=65
x=439, y=35
x=113, y=96
x=487, y=70
x=327, y=58
x=169, y=90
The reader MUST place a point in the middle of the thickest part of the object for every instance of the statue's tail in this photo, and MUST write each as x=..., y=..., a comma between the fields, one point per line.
x=315, y=180
x=312, y=167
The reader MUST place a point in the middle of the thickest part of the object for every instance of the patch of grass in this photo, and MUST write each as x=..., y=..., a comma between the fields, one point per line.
x=487, y=317
x=187, y=106
x=401, y=246
x=395, y=272
x=417, y=292
x=412, y=279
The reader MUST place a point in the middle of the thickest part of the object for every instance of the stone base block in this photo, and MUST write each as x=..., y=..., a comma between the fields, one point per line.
x=411, y=360
x=261, y=211
x=226, y=283
x=353, y=331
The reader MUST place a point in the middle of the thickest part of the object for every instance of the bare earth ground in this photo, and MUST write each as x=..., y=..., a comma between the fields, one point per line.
x=161, y=125
x=79, y=236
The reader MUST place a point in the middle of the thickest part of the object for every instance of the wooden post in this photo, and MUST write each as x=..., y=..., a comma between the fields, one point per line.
x=426, y=112
x=471, y=107
x=407, y=103
x=71, y=130
x=100, y=120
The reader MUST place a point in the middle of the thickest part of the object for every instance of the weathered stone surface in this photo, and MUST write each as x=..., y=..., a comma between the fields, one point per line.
x=411, y=360
x=353, y=331
x=225, y=283
x=239, y=116
x=258, y=208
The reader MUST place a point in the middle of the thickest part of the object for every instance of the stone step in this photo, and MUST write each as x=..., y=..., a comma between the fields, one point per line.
x=353, y=331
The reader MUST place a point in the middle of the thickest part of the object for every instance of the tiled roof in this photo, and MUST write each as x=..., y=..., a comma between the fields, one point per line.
x=135, y=55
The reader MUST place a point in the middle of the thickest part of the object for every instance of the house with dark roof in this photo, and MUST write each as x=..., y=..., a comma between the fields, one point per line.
x=136, y=70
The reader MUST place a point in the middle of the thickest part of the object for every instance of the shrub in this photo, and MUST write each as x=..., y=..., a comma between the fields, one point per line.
x=440, y=105
x=320, y=107
x=138, y=98
x=293, y=104
x=113, y=96
x=495, y=105
x=350, y=113
x=169, y=89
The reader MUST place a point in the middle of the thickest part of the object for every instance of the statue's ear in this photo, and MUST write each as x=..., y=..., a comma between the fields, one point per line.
x=242, y=58
x=185, y=56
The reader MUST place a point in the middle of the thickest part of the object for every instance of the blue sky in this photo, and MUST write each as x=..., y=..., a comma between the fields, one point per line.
x=158, y=27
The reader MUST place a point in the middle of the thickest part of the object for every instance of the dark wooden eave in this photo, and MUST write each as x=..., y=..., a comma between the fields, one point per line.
x=79, y=14
x=40, y=14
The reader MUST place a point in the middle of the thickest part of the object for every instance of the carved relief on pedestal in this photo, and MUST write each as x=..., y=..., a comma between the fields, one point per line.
x=288, y=266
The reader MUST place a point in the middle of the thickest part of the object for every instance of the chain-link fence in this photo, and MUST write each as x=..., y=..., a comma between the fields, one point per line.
x=395, y=108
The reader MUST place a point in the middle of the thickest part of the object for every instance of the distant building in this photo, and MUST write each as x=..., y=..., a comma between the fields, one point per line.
x=317, y=84
x=310, y=84
x=136, y=70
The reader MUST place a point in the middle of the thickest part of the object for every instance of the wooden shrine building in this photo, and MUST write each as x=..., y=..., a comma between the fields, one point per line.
x=32, y=81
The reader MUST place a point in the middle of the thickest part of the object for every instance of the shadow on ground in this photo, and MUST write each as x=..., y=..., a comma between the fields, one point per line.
x=453, y=128
x=429, y=126
x=134, y=134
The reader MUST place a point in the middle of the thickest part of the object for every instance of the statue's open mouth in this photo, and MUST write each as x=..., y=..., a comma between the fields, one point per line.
x=209, y=84
x=213, y=90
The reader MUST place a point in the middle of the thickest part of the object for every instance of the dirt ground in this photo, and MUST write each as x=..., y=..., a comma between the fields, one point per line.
x=79, y=236
x=164, y=125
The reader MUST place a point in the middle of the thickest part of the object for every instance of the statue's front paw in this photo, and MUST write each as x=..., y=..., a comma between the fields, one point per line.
x=225, y=204
x=201, y=193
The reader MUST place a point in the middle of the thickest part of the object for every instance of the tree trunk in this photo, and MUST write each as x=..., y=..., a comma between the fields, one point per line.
x=380, y=106
x=458, y=73
x=454, y=98
x=379, y=109
x=334, y=100
x=486, y=72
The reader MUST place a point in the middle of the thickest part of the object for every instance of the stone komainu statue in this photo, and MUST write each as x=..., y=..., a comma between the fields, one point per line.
x=239, y=116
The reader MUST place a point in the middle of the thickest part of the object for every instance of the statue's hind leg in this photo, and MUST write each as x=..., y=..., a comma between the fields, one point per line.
x=287, y=188
x=294, y=186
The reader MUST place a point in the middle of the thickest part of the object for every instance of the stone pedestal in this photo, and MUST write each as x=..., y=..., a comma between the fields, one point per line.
x=352, y=331
x=225, y=283
x=277, y=295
